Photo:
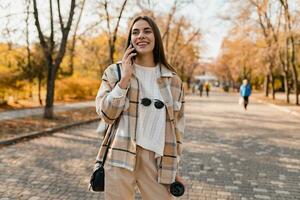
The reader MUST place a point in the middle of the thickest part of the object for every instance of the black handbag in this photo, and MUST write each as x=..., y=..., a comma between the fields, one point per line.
x=97, y=183
x=97, y=178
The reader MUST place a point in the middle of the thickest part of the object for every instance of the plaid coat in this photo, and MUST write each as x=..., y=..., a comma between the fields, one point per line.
x=122, y=151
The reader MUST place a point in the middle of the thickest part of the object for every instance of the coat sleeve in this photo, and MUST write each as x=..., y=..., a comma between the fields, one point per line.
x=110, y=99
x=180, y=121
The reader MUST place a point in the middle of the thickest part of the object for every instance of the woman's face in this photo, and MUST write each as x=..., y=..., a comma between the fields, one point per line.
x=142, y=37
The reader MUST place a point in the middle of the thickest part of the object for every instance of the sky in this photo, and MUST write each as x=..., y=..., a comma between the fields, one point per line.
x=203, y=14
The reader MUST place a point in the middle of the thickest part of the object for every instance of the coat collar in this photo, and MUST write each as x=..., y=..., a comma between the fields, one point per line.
x=165, y=72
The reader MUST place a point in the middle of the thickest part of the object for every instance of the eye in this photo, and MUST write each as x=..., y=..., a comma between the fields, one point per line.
x=148, y=31
x=135, y=32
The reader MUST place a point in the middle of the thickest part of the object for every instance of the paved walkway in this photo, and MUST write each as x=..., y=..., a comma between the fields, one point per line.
x=228, y=154
x=287, y=108
x=38, y=111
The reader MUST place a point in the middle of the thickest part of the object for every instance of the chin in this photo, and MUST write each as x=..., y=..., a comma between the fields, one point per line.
x=145, y=51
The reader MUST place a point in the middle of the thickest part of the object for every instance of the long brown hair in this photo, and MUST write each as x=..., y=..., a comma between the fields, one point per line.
x=158, y=51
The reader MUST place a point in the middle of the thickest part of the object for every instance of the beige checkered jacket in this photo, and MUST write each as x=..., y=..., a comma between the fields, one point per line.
x=122, y=151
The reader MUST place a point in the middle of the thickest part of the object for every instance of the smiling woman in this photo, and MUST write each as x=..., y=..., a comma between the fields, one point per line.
x=142, y=37
x=145, y=113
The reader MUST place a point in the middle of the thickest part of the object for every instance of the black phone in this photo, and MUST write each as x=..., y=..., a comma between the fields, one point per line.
x=134, y=51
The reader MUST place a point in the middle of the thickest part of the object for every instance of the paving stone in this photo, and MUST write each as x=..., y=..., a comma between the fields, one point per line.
x=259, y=190
x=210, y=180
x=258, y=196
x=237, y=182
x=231, y=187
x=282, y=177
x=222, y=193
x=34, y=198
x=253, y=183
x=282, y=192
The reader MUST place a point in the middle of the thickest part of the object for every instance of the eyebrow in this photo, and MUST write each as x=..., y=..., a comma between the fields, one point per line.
x=147, y=28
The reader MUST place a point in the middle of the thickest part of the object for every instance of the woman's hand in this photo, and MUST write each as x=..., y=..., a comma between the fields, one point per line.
x=181, y=180
x=127, y=67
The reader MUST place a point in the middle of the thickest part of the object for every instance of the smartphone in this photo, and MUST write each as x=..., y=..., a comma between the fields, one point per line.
x=134, y=51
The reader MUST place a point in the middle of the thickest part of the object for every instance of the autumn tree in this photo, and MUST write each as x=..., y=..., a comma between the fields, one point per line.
x=112, y=32
x=53, y=59
x=269, y=24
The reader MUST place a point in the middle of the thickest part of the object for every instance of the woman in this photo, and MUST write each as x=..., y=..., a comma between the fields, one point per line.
x=145, y=110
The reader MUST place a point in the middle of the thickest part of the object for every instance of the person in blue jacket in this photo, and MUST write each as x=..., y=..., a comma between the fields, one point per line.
x=245, y=92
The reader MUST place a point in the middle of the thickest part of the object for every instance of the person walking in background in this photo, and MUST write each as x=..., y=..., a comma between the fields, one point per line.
x=145, y=110
x=245, y=92
x=207, y=88
x=200, y=88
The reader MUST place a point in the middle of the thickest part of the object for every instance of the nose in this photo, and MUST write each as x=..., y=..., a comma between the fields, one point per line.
x=141, y=35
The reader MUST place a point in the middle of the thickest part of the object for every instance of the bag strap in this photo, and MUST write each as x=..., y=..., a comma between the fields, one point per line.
x=116, y=122
x=119, y=72
x=111, y=137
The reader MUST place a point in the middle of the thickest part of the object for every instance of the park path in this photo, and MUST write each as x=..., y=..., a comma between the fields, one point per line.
x=228, y=154
x=7, y=115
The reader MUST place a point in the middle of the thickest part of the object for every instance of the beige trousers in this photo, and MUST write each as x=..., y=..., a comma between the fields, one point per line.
x=120, y=183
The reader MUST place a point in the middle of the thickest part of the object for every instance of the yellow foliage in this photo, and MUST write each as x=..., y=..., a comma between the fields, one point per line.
x=8, y=55
x=76, y=88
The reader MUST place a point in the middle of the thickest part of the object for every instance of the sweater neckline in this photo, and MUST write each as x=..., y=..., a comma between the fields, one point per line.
x=146, y=68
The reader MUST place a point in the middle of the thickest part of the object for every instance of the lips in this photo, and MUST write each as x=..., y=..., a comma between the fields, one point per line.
x=142, y=44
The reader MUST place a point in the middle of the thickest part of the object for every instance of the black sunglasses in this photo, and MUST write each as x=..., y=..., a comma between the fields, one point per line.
x=157, y=103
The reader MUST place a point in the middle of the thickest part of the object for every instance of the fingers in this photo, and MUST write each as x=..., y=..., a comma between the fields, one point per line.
x=128, y=59
x=128, y=51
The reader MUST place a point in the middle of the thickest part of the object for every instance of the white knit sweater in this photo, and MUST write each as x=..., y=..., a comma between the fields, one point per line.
x=151, y=122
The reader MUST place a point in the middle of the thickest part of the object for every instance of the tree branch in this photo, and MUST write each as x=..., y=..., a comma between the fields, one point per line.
x=52, y=28
x=107, y=20
x=40, y=33
x=118, y=22
x=65, y=32
x=59, y=15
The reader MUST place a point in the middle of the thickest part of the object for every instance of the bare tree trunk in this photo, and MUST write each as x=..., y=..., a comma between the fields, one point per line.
x=285, y=75
x=267, y=34
x=50, y=93
x=39, y=90
x=272, y=84
x=286, y=85
x=294, y=71
x=28, y=48
x=290, y=41
x=287, y=62
x=53, y=63
x=266, y=85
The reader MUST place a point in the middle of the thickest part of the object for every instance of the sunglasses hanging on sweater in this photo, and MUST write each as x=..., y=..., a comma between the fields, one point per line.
x=157, y=103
